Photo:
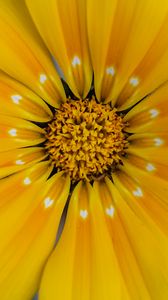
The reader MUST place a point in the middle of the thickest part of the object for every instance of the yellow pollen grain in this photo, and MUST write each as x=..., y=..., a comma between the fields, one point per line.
x=85, y=139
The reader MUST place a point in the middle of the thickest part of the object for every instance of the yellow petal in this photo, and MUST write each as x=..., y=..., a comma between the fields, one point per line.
x=84, y=254
x=151, y=71
x=31, y=238
x=100, y=17
x=140, y=186
x=130, y=271
x=23, y=54
x=15, y=133
x=23, y=186
x=20, y=182
x=150, y=146
x=19, y=159
x=18, y=101
x=146, y=242
x=124, y=48
x=155, y=168
x=152, y=175
x=62, y=25
x=151, y=114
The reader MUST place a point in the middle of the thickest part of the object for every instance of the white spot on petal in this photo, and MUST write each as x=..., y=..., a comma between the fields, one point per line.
x=110, y=71
x=153, y=113
x=138, y=192
x=48, y=202
x=19, y=162
x=27, y=181
x=43, y=78
x=110, y=211
x=150, y=167
x=16, y=98
x=83, y=213
x=158, y=142
x=13, y=132
x=76, y=61
x=134, y=81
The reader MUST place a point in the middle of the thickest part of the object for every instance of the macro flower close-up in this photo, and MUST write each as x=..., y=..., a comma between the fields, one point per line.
x=84, y=149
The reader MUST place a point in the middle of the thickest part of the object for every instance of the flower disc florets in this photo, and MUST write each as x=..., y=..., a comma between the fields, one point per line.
x=86, y=139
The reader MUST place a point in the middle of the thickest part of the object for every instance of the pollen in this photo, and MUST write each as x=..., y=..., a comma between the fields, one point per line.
x=86, y=139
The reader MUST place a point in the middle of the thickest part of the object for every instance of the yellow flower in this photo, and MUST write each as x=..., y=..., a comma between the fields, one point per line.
x=95, y=147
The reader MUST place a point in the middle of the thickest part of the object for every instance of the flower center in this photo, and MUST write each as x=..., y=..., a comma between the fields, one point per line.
x=86, y=139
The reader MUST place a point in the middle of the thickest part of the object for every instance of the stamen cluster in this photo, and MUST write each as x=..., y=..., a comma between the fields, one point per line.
x=86, y=139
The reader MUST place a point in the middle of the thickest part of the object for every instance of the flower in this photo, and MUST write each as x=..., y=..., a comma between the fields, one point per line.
x=95, y=148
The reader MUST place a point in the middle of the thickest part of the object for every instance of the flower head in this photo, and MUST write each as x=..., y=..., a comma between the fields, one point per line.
x=83, y=151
